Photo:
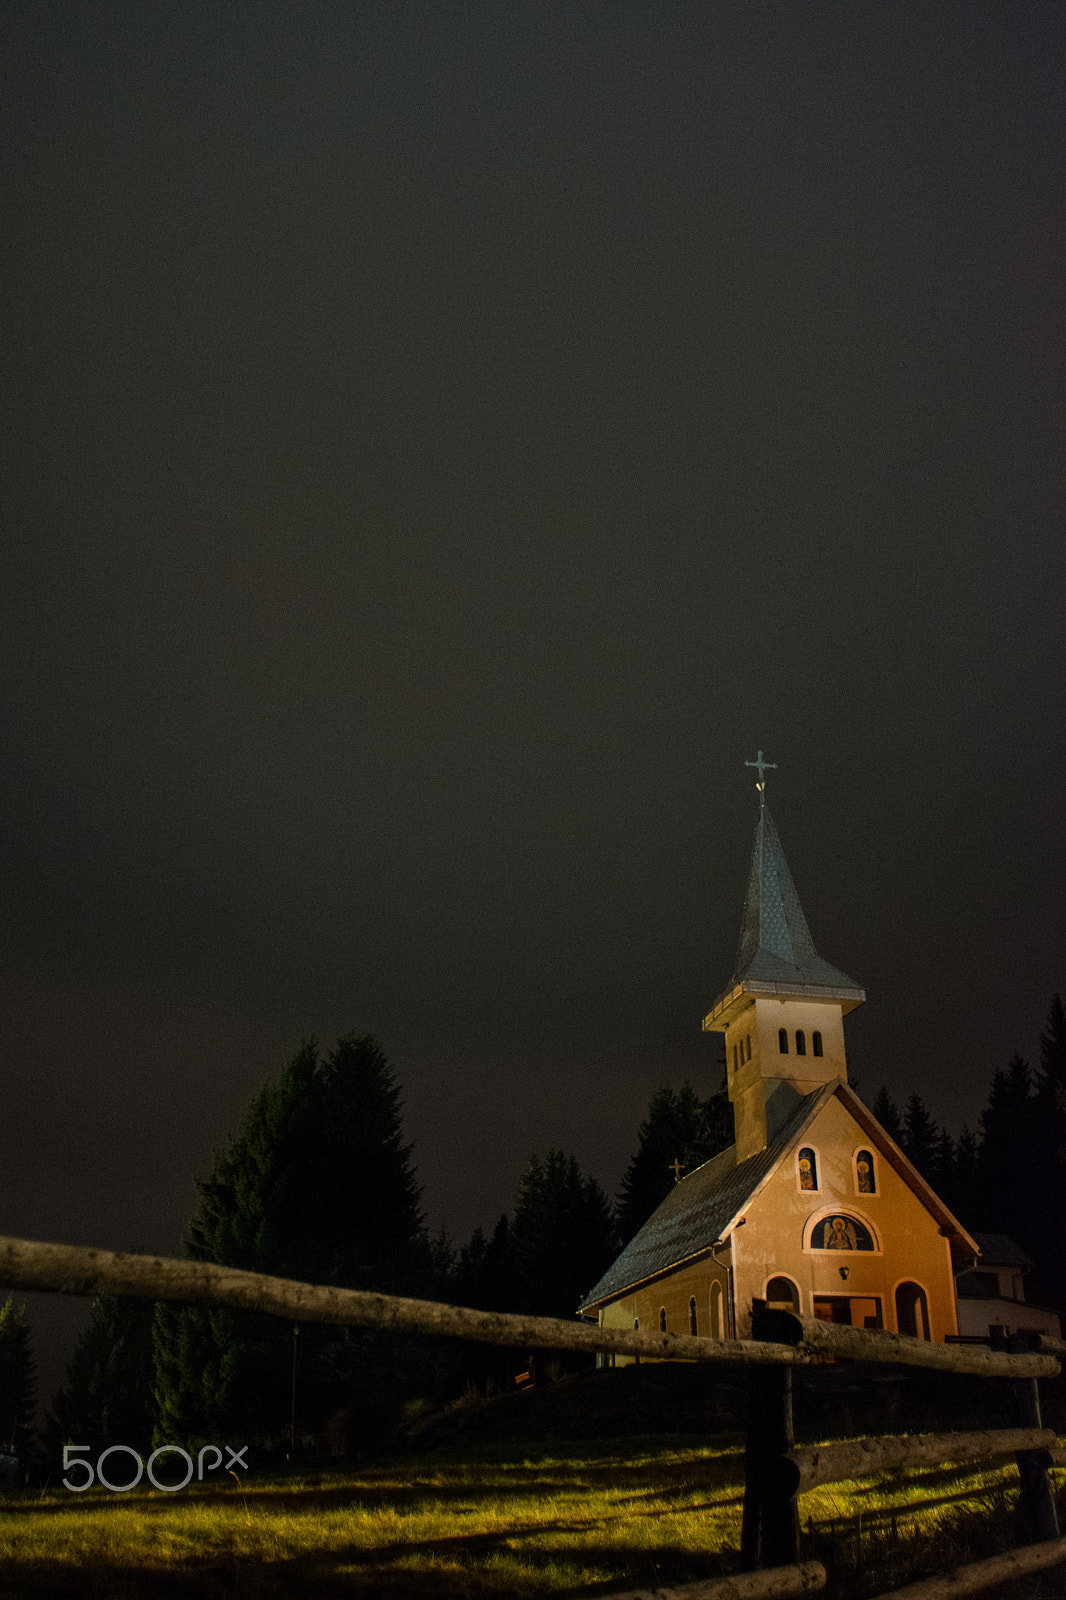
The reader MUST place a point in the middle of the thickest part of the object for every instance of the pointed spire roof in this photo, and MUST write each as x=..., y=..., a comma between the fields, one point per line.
x=776, y=954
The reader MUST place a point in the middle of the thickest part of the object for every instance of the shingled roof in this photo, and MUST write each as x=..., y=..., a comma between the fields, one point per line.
x=776, y=954
x=997, y=1250
x=698, y=1211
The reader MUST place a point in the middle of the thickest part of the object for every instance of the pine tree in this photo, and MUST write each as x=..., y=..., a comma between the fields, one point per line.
x=486, y=1278
x=963, y=1199
x=107, y=1396
x=1051, y=1079
x=921, y=1137
x=1045, y=1185
x=887, y=1113
x=563, y=1235
x=318, y=1185
x=1006, y=1158
x=679, y=1126
x=18, y=1380
x=942, y=1170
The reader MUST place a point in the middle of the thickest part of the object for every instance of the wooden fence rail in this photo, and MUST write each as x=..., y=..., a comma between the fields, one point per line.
x=775, y=1471
x=855, y=1458
x=74, y=1269
x=78, y=1270
x=815, y=1337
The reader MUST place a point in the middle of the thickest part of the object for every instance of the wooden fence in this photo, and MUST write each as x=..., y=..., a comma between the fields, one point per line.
x=775, y=1470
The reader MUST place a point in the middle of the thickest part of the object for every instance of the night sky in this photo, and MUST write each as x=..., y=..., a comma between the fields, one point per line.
x=442, y=444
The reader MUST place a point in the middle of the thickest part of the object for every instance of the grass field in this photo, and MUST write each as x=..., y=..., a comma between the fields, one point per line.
x=481, y=1522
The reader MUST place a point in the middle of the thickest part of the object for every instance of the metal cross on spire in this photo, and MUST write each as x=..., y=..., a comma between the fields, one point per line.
x=762, y=767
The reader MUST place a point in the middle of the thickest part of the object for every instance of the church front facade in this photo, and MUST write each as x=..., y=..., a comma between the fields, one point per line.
x=814, y=1208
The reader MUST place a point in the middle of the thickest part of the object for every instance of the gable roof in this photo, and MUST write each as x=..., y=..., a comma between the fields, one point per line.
x=701, y=1209
x=997, y=1250
x=776, y=953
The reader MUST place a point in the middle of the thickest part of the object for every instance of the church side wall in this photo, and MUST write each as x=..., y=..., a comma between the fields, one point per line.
x=672, y=1293
x=911, y=1248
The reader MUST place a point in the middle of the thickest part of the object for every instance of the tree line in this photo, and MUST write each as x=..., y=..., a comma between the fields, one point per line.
x=319, y=1185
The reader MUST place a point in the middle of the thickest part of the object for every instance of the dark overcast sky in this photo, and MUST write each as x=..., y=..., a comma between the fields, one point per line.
x=442, y=444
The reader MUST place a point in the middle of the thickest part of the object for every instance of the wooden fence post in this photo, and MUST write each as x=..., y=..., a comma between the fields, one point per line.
x=770, y=1526
x=1037, y=1498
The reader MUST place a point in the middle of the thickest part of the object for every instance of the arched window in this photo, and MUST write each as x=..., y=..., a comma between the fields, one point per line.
x=662, y=1319
x=801, y=1042
x=912, y=1311
x=717, y=1331
x=816, y=1042
x=692, y=1328
x=807, y=1165
x=747, y=1046
x=865, y=1176
x=782, y=1040
x=636, y=1328
x=782, y=1295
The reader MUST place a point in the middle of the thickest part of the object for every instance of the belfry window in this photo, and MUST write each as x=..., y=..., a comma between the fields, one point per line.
x=782, y=1040
x=816, y=1043
x=801, y=1042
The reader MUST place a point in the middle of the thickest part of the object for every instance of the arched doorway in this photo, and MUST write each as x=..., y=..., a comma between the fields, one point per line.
x=782, y=1295
x=912, y=1311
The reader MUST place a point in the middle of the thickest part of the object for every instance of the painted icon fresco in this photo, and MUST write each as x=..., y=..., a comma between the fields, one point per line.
x=808, y=1168
x=841, y=1233
x=864, y=1173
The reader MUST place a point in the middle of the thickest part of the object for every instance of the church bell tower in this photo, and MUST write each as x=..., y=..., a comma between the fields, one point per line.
x=783, y=1010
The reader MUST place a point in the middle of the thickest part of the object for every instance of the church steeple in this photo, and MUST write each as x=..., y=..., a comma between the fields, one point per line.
x=775, y=946
x=782, y=1011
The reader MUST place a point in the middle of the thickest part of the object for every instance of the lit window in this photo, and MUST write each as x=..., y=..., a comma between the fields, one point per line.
x=865, y=1179
x=801, y=1042
x=816, y=1043
x=782, y=1040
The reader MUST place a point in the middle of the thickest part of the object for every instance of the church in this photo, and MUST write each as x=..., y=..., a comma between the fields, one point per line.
x=815, y=1208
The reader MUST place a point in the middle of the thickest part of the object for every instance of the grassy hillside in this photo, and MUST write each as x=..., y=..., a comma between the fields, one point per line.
x=516, y=1497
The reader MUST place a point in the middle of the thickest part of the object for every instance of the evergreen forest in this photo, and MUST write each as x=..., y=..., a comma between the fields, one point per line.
x=319, y=1184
